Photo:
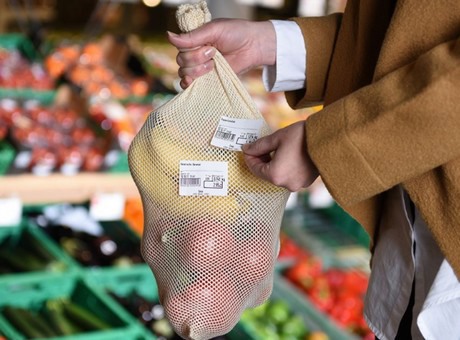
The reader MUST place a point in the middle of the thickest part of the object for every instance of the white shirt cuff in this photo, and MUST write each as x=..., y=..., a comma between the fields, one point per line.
x=288, y=73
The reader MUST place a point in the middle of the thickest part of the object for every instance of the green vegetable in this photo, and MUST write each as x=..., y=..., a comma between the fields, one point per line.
x=278, y=311
x=31, y=324
x=54, y=312
x=20, y=260
x=21, y=324
x=85, y=319
x=294, y=326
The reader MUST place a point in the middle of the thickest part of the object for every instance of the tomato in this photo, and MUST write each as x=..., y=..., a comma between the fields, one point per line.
x=321, y=295
x=289, y=249
x=304, y=271
x=336, y=278
x=356, y=282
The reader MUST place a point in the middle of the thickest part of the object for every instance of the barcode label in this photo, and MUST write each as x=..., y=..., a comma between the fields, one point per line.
x=190, y=182
x=232, y=133
x=203, y=178
x=222, y=133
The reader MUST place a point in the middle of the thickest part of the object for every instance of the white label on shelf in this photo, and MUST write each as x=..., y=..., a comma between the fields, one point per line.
x=23, y=159
x=107, y=206
x=233, y=133
x=203, y=178
x=10, y=211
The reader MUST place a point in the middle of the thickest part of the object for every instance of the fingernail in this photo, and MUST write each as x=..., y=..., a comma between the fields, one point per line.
x=209, y=52
x=244, y=147
x=171, y=34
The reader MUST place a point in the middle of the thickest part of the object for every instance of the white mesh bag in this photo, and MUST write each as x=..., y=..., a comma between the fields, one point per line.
x=211, y=228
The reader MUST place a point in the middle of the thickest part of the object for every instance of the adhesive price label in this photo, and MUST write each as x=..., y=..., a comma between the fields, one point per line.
x=107, y=206
x=10, y=211
x=203, y=178
x=233, y=133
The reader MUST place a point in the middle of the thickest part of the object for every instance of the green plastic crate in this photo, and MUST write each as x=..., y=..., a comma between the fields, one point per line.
x=121, y=165
x=343, y=221
x=63, y=262
x=7, y=154
x=17, y=41
x=122, y=282
x=119, y=230
x=45, y=97
x=341, y=227
x=32, y=293
x=337, y=246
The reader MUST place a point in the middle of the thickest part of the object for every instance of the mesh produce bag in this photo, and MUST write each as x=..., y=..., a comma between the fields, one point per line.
x=211, y=228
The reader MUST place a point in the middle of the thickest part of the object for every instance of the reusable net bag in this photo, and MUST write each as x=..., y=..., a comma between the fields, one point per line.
x=211, y=233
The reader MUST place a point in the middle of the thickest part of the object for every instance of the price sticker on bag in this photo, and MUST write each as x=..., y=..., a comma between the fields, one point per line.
x=233, y=133
x=203, y=178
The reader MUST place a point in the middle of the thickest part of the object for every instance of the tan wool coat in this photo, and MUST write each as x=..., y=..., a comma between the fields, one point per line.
x=388, y=73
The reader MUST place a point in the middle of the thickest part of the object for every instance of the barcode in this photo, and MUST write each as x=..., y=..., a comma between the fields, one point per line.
x=221, y=134
x=190, y=182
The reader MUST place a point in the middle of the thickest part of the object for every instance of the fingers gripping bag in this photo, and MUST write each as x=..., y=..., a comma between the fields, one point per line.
x=211, y=234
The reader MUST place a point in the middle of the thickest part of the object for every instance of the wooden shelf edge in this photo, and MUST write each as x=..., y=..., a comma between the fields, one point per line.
x=60, y=188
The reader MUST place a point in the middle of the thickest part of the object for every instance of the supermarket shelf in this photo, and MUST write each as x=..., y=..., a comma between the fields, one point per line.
x=54, y=188
x=44, y=12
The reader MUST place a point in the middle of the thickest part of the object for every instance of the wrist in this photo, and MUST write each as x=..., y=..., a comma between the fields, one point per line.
x=266, y=43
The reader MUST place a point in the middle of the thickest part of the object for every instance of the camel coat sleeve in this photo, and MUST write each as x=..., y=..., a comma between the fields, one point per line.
x=400, y=126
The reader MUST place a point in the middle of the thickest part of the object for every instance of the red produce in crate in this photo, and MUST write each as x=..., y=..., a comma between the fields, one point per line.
x=303, y=272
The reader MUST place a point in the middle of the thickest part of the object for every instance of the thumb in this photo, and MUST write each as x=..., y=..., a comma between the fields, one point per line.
x=203, y=35
x=262, y=146
x=257, y=156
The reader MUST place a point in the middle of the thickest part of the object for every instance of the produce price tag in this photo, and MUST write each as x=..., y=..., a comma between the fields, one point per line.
x=203, y=178
x=107, y=206
x=232, y=133
x=10, y=211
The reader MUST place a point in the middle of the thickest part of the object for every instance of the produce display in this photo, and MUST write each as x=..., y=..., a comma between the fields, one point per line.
x=60, y=317
x=26, y=255
x=55, y=138
x=274, y=319
x=93, y=244
x=59, y=306
x=100, y=68
x=16, y=72
x=110, y=95
x=338, y=293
